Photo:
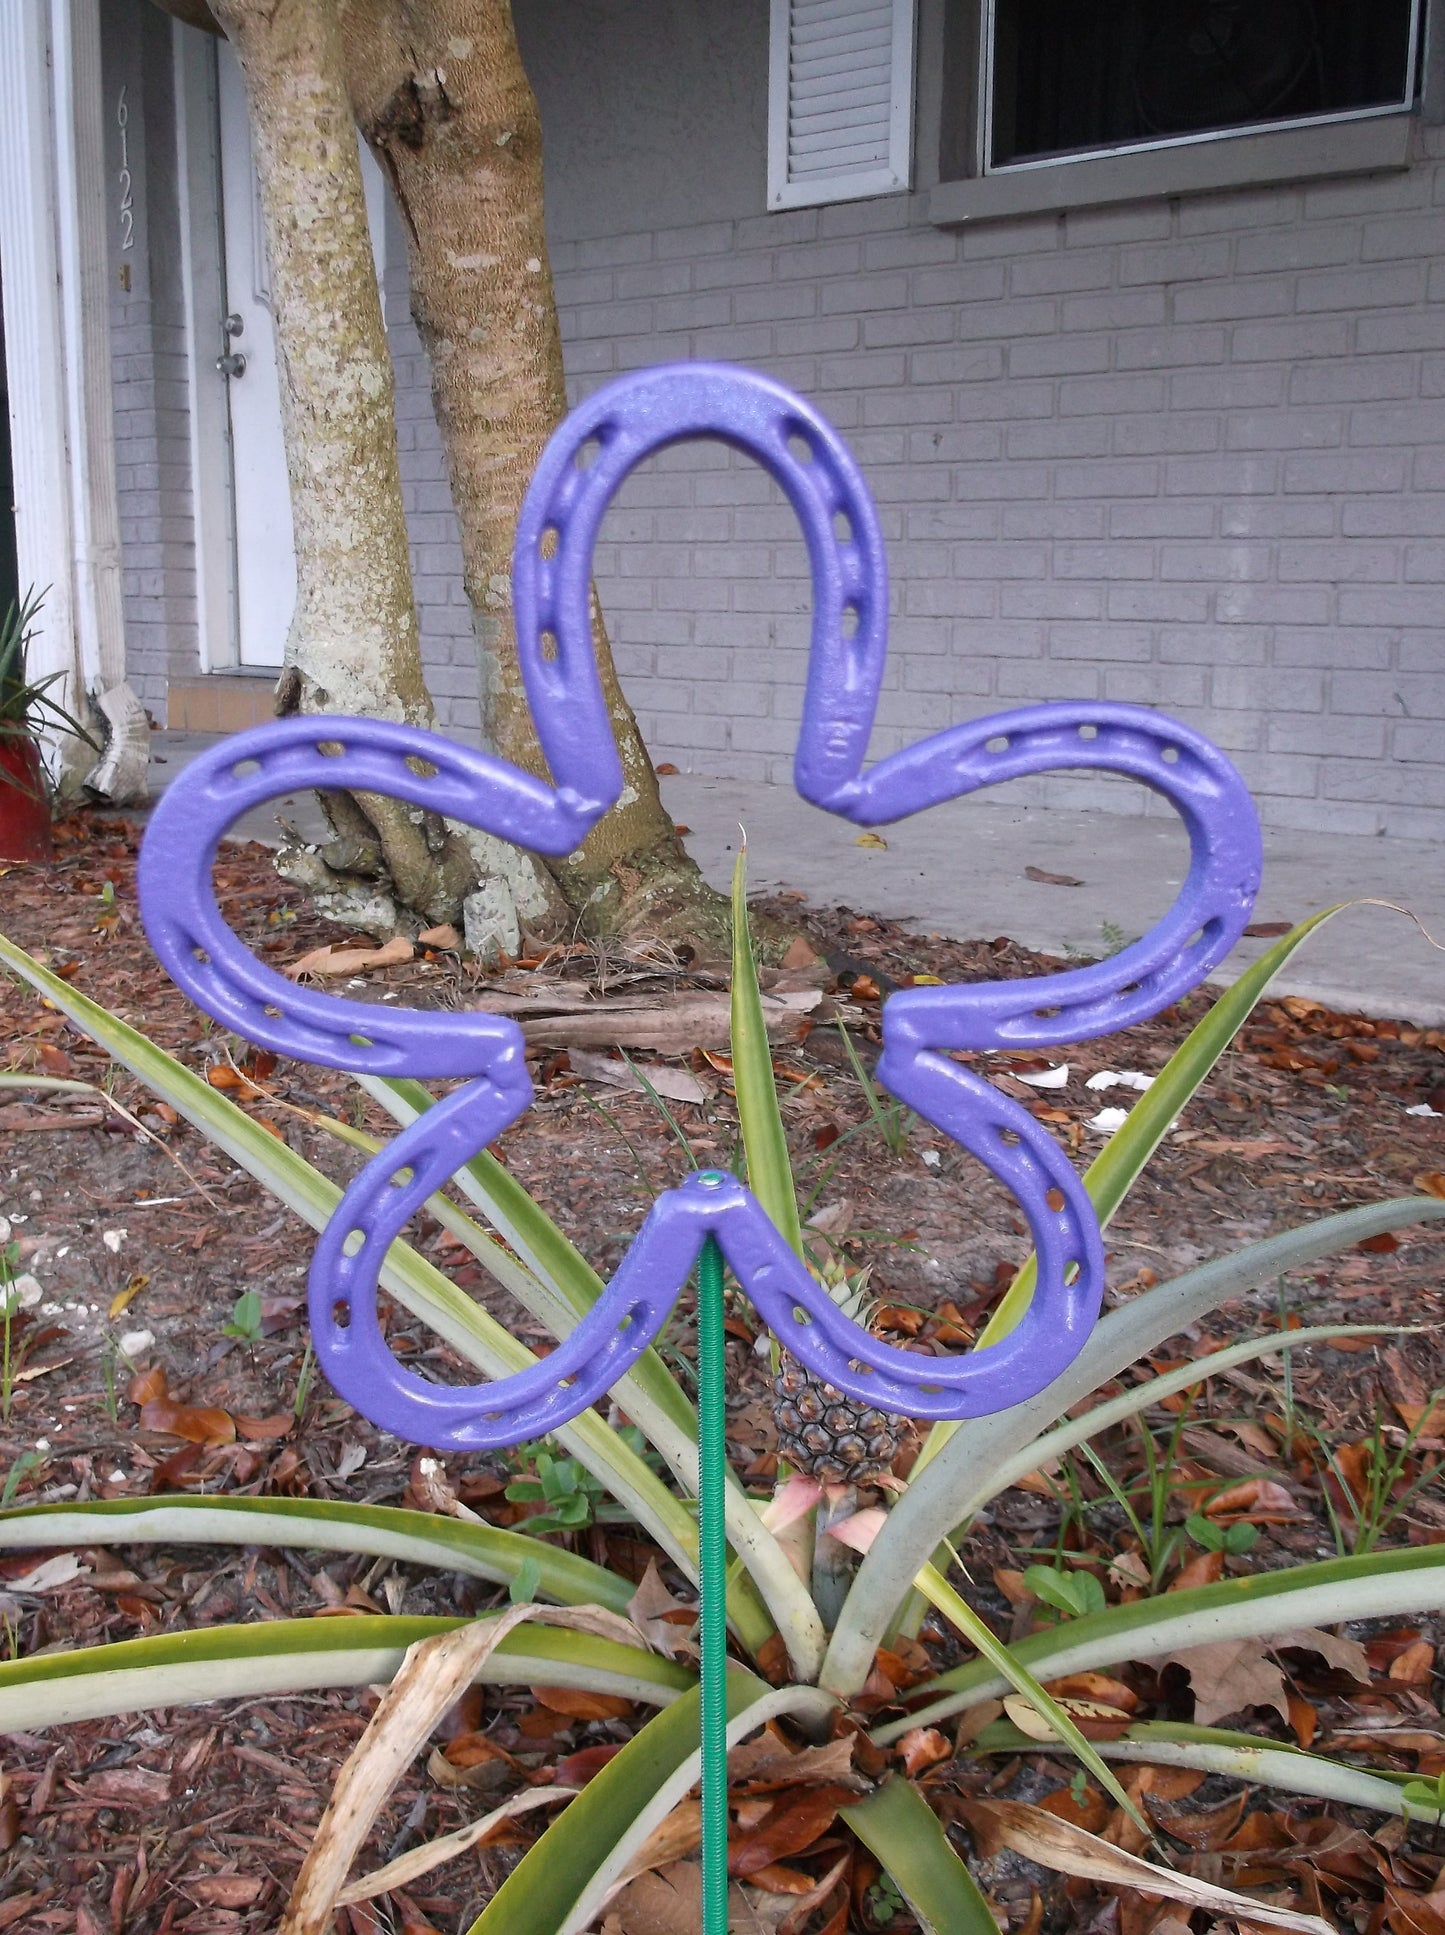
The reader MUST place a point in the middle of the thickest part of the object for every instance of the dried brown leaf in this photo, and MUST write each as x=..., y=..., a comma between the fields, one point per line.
x=1053, y=1843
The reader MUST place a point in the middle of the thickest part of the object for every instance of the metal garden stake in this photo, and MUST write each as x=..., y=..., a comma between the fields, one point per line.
x=710, y=1217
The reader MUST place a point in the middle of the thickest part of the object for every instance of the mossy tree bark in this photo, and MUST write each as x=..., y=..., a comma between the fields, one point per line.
x=440, y=93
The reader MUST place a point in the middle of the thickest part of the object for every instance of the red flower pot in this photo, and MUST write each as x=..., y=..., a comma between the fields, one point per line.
x=24, y=801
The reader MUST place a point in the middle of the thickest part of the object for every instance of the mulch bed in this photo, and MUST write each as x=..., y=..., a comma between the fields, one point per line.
x=196, y=1820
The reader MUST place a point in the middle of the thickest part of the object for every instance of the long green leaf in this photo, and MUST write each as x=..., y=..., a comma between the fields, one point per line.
x=942, y=1497
x=1373, y=1585
x=649, y=1395
x=1242, y=1756
x=560, y=1884
x=962, y=1617
x=1113, y=1173
x=899, y=1826
x=322, y=1525
x=287, y=1655
x=413, y=1281
x=770, y=1173
x=1088, y=1424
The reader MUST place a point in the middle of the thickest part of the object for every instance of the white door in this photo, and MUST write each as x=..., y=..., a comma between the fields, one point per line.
x=265, y=555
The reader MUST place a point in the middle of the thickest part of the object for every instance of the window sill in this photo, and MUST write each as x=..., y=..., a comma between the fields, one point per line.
x=1241, y=161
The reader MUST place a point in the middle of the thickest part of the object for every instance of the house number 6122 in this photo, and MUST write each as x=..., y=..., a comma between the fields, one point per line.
x=127, y=200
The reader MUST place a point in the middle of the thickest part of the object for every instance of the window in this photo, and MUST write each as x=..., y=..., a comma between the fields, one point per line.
x=1064, y=79
x=840, y=100
x=1042, y=105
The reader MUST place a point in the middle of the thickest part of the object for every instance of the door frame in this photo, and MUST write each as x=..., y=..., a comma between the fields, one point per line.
x=198, y=176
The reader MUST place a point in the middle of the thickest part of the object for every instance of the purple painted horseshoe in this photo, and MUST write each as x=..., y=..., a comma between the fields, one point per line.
x=552, y=566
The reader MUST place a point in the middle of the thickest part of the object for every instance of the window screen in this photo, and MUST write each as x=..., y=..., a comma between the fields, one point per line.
x=1068, y=77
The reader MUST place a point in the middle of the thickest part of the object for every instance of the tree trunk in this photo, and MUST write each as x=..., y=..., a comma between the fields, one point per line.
x=354, y=645
x=440, y=94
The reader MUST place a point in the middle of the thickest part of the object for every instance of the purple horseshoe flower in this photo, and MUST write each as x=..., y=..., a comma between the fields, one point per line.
x=577, y=477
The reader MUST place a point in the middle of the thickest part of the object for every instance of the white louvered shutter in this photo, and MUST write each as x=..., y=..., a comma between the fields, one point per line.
x=840, y=100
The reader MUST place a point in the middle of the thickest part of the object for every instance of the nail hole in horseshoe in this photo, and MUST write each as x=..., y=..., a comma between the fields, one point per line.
x=548, y=644
x=275, y=1014
x=1071, y=1270
x=799, y=447
x=1170, y=755
x=360, y=1041
x=1055, y=1200
x=200, y=954
x=843, y=527
x=1010, y=1138
x=1088, y=732
x=401, y=1178
x=998, y=744
x=245, y=768
x=800, y=1316
x=353, y=1242
x=566, y=1383
x=850, y=621
x=548, y=542
x=588, y=453
x=341, y=1314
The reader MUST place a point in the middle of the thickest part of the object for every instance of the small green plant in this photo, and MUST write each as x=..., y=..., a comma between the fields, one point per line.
x=27, y=1462
x=1159, y=1540
x=246, y=1318
x=891, y=1119
x=1374, y=1488
x=574, y=1498
x=1232, y=1540
x=305, y=1378
x=1072, y=1593
x=882, y=1903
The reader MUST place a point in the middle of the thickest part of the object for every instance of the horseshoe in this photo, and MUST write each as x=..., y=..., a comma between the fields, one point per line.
x=579, y=473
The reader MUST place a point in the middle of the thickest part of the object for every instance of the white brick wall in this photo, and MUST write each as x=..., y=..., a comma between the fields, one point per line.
x=1188, y=455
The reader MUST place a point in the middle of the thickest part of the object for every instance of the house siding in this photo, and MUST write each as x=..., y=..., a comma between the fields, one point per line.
x=1188, y=454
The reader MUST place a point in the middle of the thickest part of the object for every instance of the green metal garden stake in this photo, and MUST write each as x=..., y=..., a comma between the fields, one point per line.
x=712, y=1542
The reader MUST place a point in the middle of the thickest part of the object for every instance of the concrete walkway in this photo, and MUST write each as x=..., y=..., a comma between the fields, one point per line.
x=960, y=870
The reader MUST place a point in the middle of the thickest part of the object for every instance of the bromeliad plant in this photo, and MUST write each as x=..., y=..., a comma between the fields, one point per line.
x=777, y=1627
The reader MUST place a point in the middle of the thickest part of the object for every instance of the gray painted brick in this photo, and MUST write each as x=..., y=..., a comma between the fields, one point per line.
x=1346, y=473
x=1059, y=355
x=1189, y=261
x=1082, y=495
x=1272, y=605
x=1270, y=342
x=1148, y=349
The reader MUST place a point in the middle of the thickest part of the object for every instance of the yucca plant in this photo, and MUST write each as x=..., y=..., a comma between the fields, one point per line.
x=823, y=1647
